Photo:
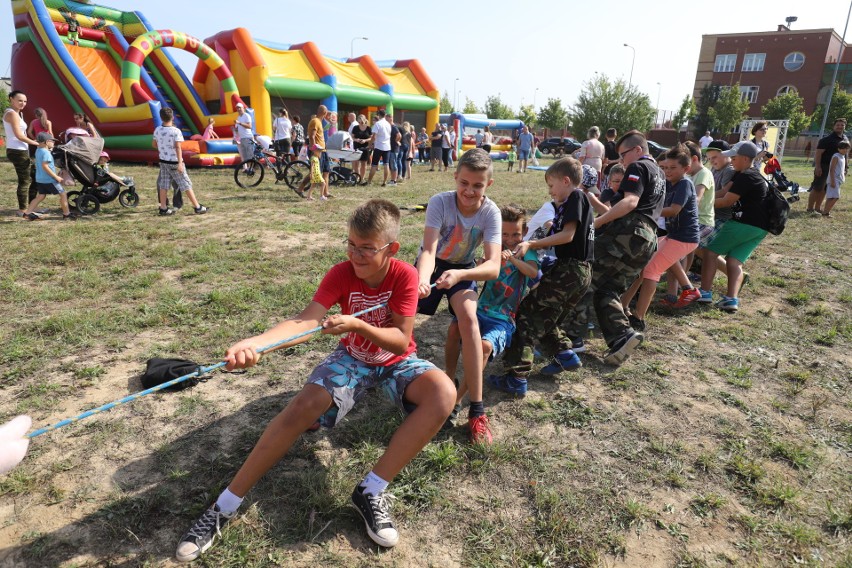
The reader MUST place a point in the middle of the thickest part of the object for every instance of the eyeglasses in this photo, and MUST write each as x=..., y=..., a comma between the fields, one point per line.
x=622, y=154
x=366, y=252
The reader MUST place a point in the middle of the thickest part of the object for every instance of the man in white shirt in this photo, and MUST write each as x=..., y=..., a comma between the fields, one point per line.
x=352, y=120
x=705, y=140
x=243, y=131
x=381, y=143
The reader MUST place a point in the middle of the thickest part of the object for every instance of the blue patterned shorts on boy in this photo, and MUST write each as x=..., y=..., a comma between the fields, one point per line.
x=498, y=332
x=347, y=380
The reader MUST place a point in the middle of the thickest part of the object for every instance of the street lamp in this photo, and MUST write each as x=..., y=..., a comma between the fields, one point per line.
x=455, y=94
x=659, y=89
x=352, y=46
x=632, y=64
x=534, y=94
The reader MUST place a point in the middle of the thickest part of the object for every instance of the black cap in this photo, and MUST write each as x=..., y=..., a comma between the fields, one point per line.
x=720, y=145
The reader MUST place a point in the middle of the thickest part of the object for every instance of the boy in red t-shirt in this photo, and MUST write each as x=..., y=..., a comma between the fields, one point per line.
x=376, y=350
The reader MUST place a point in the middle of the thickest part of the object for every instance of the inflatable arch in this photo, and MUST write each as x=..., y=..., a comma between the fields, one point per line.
x=141, y=48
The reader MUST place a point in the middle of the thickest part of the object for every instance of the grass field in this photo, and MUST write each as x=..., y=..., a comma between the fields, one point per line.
x=726, y=440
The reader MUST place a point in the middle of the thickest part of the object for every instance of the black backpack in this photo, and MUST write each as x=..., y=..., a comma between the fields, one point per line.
x=777, y=208
x=159, y=371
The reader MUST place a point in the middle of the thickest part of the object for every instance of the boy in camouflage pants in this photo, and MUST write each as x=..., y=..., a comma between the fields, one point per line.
x=627, y=238
x=541, y=313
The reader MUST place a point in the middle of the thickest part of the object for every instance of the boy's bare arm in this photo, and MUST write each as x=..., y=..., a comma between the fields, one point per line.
x=599, y=206
x=46, y=168
x=671, y=211
x=832, y=181
x=244, y=353
x=488, y=269
x=563, y=237
x=528, y=269
x=394, y=338
x=426, y=262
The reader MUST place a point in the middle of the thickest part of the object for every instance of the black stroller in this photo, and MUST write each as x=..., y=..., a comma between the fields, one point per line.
x=79, y=157
x=339, y=150
x=779, y=180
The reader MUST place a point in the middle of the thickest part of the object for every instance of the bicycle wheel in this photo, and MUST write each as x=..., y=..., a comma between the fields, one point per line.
x=249, y=173
x=296, y=171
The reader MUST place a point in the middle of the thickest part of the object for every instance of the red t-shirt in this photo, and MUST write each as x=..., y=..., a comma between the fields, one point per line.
x=398, y=290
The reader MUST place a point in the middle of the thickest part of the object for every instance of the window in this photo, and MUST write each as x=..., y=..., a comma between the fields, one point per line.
x=787, y=89
x=753, y=61
x=725, y=63
x=749, y=93
x=794, y=61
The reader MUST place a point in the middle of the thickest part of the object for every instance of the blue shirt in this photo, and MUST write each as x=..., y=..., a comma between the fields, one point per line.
x=525, y=141
x=43, y=156
x=682, y=227
x=501, y=297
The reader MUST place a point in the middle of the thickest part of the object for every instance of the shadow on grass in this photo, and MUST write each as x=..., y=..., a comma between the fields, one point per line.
x=303, y=499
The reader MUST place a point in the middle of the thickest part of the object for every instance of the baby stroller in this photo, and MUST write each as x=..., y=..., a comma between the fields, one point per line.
x=339, y=150
x=773, y=168
x=79, y=157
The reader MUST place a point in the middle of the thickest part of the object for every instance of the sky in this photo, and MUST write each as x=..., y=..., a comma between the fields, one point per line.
x=521, y=52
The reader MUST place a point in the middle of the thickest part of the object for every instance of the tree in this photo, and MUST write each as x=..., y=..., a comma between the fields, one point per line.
x=469, y=107
x=553, y=115
x=4, y=100
x=526, y=114
x=729, y=110
x=789, y=106
x=706, y=99
x=611, y=104
x=684, y=113
x=841, y=106
x=495, y=108
x=446, y=104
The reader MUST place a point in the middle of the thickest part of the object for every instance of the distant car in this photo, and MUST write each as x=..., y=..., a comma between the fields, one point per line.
x=559, y=146
x=656, y=149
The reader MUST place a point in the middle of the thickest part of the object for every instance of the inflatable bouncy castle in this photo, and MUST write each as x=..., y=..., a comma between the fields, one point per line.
x=117, y=72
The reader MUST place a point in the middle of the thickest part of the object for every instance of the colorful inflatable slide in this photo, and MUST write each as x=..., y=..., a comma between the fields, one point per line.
x=118, y=74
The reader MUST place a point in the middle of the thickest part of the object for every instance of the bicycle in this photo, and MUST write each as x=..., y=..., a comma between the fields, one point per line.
x=249, y=173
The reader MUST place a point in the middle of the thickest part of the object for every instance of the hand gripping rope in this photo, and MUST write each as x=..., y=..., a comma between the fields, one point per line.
x=197, y=373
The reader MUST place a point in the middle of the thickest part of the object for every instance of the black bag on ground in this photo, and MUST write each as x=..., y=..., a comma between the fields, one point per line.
x=159, y=371
x=778, y=209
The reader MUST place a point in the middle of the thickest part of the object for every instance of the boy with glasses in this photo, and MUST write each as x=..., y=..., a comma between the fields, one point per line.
x=376, y=350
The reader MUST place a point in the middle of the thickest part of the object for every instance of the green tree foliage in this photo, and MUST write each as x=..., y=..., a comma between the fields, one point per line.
x=611, y=104
x=706, y=99
x=527, y=115
x=553, y=115
x=4, y=100
x=729, y=110
x=446, y=104
x=684, y=113
x=495, y=108
x=841, y=106
x=789, y=106
x=470, y=107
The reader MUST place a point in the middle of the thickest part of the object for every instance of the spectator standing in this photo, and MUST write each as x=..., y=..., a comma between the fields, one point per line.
x=422, y=148
x=436, y=151
x=395, y=138
x=166, y=141
x=17, y=148
x=282, y=133
x=243, y=131
x=361, y=135
x=705, y=140
x=487, y=140
x=758, y=131
x=836, y=177
x=592, y=151
x=352, y=119
x=826, y=148
x=298, y=136
x=525, y=147
x=39, y=124
x=381, y=142
x=610, y=152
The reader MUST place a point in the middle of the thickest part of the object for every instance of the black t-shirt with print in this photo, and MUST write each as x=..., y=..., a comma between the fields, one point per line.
x=576, y=208
x=750, y=209
x=829, y=145
x=436, y=143
x=394, y=134
x=644, y=178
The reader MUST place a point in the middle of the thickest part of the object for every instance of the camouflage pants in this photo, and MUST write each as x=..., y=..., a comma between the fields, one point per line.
x=541, y=313
x=621, y=252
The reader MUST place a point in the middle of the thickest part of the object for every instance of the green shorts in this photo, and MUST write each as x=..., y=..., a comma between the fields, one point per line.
x=737, y=240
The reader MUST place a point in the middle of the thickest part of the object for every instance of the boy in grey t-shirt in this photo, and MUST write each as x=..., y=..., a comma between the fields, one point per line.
x=457, y=222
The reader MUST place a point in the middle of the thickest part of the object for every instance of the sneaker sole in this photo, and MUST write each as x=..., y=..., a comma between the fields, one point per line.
x=581, y=349
x=373, y=536
x=549, y=370
x=626, y=350
x=703, y=301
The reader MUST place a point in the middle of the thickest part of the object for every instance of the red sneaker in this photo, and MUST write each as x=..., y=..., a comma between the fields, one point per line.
x=479, y=433
x=687, y=297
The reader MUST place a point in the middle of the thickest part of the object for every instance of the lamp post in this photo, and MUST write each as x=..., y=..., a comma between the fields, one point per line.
x=834, y=75
x=534, y=95
x=630, y=83
x=352, y=46
x=659, y=89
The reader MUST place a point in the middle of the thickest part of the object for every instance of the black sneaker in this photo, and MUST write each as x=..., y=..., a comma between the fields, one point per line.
x=450, y=423
x=34, y=217
x=200, y=537
x=623, y=348
x=201, y=210
x=375, y=510
x=636, y=323
x=166, y=212
x=578, y=345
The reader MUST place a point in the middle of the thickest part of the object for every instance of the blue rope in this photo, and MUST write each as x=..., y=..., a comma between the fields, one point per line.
x=197, y=373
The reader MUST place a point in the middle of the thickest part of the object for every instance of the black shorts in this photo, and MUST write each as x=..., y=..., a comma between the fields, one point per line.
x=49, y=188
x=380, y=156
x=365, y=154
x=325, y=163
x=819, y=181
x=281, y=146
x=429, y=305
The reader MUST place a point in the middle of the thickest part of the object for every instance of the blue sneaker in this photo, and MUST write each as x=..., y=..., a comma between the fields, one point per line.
x=567, y=361
x=577, y=345
x=727, y=304
x=509, y=383
x=706, y=297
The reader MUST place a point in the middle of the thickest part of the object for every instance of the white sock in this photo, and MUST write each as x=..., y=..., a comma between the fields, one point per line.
x=373, y=484
x=228, y=502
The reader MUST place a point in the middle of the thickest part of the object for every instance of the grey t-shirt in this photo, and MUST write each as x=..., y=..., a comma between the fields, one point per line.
x=720, y=178
x=459, y=235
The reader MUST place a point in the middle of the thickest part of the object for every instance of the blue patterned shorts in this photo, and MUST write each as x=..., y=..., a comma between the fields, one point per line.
x=347, y=380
